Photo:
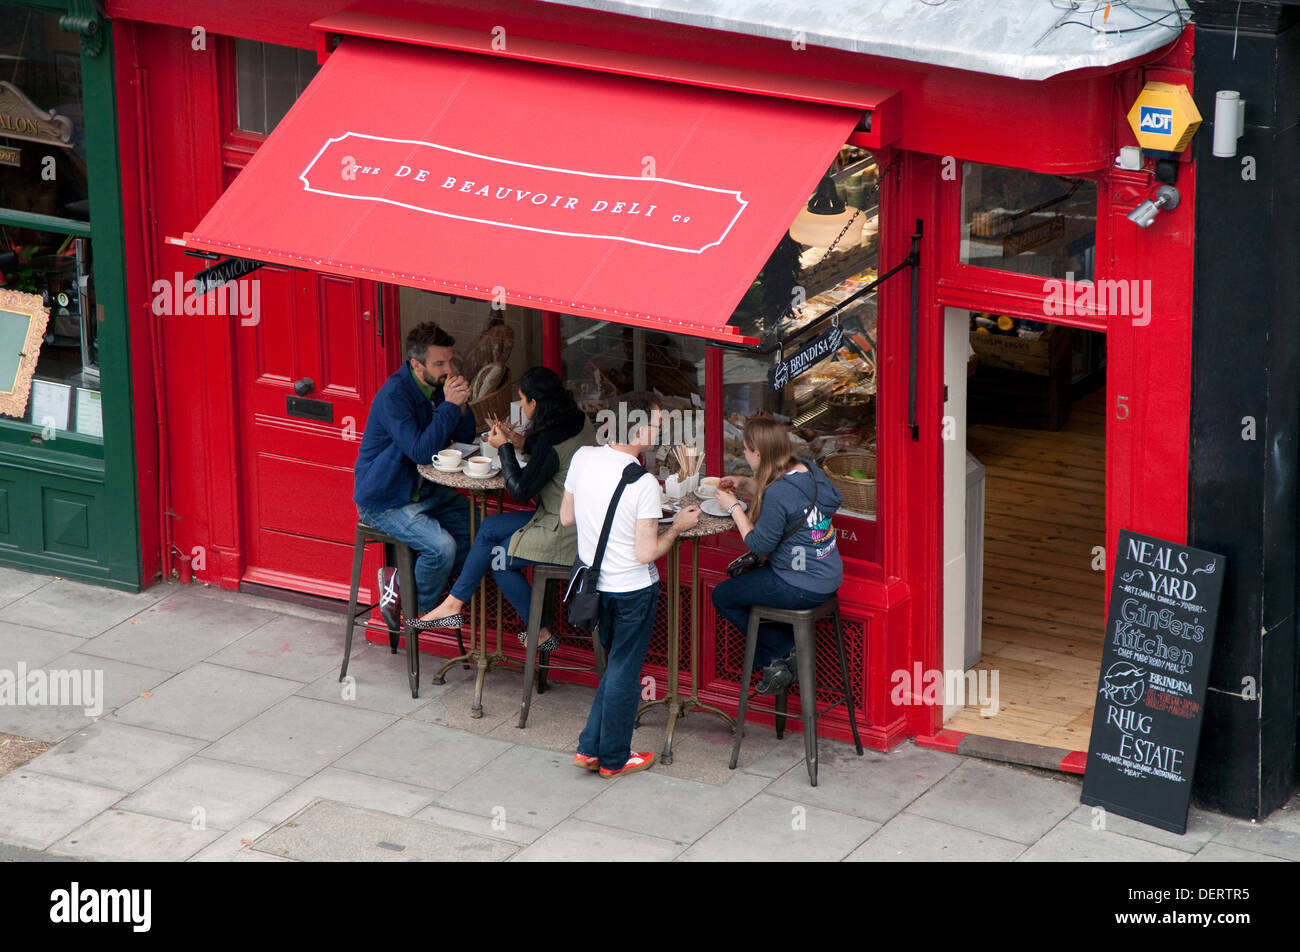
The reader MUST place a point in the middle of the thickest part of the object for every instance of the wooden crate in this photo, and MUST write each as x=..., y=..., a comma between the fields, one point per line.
x=1026, y=356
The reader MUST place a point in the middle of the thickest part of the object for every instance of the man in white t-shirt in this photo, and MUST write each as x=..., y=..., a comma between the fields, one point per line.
x=628, y=583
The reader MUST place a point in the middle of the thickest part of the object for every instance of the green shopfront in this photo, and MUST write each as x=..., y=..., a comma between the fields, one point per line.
x=68, y=497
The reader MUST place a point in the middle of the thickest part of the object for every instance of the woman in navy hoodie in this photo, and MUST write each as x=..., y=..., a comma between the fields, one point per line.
x=789, y=522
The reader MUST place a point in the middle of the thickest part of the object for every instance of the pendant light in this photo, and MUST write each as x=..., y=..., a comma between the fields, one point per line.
x=820, y=223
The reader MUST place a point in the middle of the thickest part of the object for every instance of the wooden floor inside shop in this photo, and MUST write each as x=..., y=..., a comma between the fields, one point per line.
x=1044, y=617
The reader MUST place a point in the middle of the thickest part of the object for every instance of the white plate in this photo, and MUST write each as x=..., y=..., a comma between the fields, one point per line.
x=450, y=469
x=487, y=475
x=664, y=520
x=712, y=508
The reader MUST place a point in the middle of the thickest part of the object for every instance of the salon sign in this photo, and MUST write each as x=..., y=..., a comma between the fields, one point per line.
x=815, y=351
x=433, y=179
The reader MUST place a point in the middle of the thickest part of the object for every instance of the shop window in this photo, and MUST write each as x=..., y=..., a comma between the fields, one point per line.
x=65, y=395
x=269, y=79
x=798, y=301
x=42, y=137
x=1013, y=220
x=602, y=361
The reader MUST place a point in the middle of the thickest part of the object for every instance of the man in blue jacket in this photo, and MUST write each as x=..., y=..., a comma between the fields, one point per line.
x=420, y=410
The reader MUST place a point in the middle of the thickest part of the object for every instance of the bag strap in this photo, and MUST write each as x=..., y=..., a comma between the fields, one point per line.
x=631, y=473
x=807, y=509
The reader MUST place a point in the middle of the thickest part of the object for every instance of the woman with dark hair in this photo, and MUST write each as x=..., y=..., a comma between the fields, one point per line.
x=790, y=524
x=556, y=429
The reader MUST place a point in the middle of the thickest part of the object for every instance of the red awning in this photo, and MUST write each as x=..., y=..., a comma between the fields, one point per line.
x=631, y=200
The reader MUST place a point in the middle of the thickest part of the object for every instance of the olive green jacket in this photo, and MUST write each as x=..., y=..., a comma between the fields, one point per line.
x=543, y=539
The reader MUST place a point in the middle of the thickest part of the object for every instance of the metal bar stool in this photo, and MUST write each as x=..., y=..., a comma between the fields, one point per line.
x=397, y=553
x=805, y=652
x=543, y=576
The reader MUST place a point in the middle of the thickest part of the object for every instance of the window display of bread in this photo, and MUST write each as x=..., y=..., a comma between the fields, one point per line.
x=486, y=380
x=493, y=347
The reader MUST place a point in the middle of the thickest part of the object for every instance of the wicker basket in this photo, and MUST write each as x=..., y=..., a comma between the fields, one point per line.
x=859, y=494
x=496, y=403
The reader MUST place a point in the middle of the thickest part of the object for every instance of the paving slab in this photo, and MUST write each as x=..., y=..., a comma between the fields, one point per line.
x=290, y=647
x=121, y=683
x=376, y=681
x=276, y=606
x=217, y=794
x=1201, y=827
x=999, y=800
x=451, y=707
x=702, y=745
x=115, y=755
x=298, y=736
x=75, y=608
x=176, y=633
x=358, y=790
x=582, y=842
x=655, y=804
x=119, y=836
x=36, y=810
x=875, y=786
x=497, y=827
x=206, y=701
x=771, y=828
x=554, y=788
x=14, y=584
x=423, y=755
x=1216, y=853
x=333, y=832
x=917, y=839
x=1073, y=842
x=1278, y=834
x=33, y=647
x=236, y=846
x=555, y=719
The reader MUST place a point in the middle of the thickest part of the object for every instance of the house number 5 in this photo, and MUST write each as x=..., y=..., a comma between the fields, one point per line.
x=1121, y=408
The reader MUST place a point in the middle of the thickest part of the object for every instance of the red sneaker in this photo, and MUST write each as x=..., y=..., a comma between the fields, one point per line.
x=638, y=761
x=585, y=762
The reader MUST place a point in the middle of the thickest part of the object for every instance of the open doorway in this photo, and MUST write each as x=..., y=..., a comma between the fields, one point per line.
x=1024, y=583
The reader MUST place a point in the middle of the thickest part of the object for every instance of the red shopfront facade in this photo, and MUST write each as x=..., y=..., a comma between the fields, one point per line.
x=223, y=501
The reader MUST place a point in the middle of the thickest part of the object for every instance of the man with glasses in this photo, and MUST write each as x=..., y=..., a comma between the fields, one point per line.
x=420, y=410
x=628, y=582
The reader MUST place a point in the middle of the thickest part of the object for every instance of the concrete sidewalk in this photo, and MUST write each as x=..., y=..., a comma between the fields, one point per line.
x=225, y=735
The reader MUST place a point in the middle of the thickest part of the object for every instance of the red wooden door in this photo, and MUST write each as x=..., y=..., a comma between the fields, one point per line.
x=298, y=516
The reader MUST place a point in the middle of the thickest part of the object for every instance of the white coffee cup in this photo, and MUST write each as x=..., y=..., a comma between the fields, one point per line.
x=478, y=466
x=708, y=487
x=486, y=448
x=447, y=459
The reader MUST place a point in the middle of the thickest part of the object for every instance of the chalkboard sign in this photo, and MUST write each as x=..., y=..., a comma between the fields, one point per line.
x=1155, y=664
x=23, y=318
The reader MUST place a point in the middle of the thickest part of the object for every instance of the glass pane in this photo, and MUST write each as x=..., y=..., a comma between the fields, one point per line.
x=42, y=136
x=251, y=101
x=270, y=79
x=602, y=361
x=801, y=282
x=65, y=387
x=1029, y=223
x=826, y=391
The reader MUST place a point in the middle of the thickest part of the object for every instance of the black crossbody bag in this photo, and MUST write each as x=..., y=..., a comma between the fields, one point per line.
x=749, y=561
x=581, y=597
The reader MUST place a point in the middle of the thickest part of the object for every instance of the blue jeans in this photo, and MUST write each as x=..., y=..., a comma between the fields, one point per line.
x=437, y=526
x=733, y=598
x=496, y=531
x=626, y=620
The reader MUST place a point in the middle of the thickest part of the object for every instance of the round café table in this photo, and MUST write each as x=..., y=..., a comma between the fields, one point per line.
x=479, y=490
x=677, y=705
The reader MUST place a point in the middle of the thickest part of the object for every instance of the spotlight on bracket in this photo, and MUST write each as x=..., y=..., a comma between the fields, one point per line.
x=1166, y=197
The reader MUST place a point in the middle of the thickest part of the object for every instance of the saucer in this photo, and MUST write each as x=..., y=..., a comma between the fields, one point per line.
x=450, y=469
x=488, y=475
x=711, y=506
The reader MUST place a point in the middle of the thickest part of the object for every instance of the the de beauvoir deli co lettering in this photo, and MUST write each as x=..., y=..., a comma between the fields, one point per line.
x=439, y=180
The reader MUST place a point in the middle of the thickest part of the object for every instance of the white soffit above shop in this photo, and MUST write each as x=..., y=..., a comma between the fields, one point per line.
x=1023, y=39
